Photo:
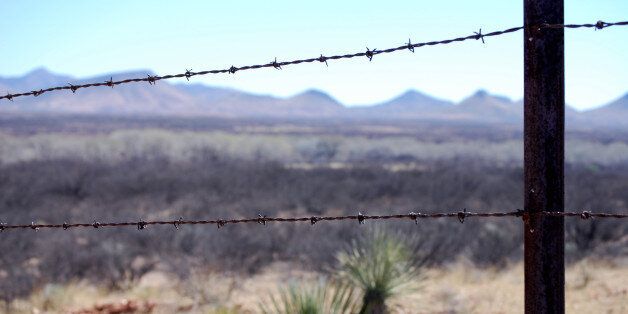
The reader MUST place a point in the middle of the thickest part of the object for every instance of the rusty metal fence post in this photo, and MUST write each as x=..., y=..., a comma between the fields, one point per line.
x=544, y=133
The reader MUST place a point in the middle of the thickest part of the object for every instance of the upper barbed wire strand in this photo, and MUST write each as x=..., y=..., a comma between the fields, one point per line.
x=262, y=219
x=275, y=64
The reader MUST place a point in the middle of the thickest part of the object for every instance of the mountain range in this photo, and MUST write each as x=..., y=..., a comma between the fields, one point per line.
x=188, y=99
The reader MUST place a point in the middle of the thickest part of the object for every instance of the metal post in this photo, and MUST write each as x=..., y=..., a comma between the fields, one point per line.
x=544, y=129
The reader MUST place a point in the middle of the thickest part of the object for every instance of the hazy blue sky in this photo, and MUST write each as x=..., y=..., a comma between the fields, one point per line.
x=85, y=38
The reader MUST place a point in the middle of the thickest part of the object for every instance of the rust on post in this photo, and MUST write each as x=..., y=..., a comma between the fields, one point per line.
x=544, y=133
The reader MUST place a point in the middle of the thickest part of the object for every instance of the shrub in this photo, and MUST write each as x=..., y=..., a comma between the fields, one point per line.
x=323, y=298
x=381, y=264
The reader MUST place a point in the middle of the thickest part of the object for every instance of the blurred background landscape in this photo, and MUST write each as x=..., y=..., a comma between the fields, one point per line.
x=162, y=152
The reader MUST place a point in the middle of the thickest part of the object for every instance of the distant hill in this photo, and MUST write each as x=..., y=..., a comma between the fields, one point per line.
x=412, y=102
x=34, y=80
x=490, y=108
x=614, y=114
x=190, y=99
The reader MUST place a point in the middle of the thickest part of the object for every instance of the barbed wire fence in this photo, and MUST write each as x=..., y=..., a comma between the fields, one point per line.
x=369, y=53
x=527, y=216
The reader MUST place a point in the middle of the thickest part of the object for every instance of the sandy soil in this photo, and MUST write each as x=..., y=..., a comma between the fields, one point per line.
x=591, y=287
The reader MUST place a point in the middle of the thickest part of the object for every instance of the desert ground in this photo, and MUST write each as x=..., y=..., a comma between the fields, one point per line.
x=591, y=287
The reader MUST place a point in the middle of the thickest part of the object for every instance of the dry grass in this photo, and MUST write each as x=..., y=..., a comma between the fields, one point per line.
x=592, y=287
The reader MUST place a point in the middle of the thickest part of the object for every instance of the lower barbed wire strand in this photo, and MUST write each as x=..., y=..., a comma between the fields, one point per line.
x=414, y=216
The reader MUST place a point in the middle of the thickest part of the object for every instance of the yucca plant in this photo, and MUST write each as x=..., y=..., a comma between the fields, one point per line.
x=382, y=265
x=321, y=298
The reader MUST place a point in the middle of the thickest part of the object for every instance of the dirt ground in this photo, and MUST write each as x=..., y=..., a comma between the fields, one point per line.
x=591, y=287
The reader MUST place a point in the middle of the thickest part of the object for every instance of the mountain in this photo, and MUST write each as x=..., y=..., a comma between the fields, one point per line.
x=36, y=79
x=189, y=99
x=313, y=103
x=225, y=102
x=615, y=113
x=483, y=106
x=411, y=104
x=619, y=106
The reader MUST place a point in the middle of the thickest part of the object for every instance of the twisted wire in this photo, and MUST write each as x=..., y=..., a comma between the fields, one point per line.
x=361, y=218
x=369, y=53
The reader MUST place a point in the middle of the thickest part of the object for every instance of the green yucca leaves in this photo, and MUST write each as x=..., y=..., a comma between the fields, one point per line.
x=376, y=268
x=381, y=264
x=323, y=298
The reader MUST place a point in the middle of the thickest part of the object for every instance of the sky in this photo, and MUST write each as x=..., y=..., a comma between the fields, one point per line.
x=88, y=38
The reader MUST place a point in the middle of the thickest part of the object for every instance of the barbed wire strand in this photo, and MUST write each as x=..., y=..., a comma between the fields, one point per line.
x=369, y=53
x=262, y=219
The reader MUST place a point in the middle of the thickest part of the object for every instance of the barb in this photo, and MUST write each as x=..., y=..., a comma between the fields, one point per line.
x=141, y=225
x=188, y=74
x=479, y=35
x=410, y=46
x=462, y=215
x=151, y=79
x=361, y=218
x=323, y=59
x=73, y=88
x=176, y=223
x=368, y=53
